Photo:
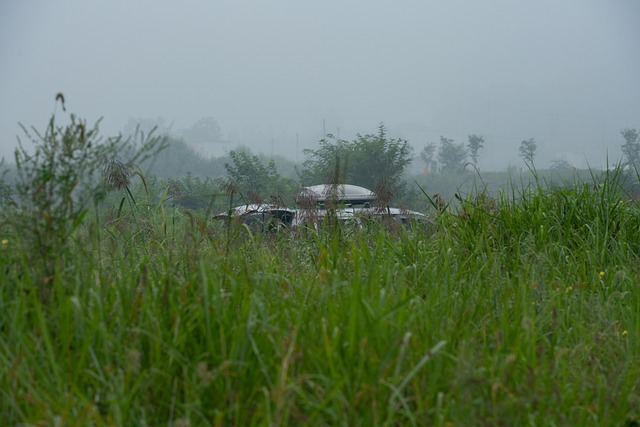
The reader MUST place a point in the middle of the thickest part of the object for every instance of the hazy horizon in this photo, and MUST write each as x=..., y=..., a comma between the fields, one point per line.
x=275, y=74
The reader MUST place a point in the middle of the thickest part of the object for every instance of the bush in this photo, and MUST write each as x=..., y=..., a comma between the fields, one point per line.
x=71, y=169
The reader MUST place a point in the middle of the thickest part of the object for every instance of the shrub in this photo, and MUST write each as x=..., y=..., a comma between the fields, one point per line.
x=70, y=170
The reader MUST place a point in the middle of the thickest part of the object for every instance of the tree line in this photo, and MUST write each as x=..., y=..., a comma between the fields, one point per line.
x=376, y=161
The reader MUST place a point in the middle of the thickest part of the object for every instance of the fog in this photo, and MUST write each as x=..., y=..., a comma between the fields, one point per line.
x=276, y=75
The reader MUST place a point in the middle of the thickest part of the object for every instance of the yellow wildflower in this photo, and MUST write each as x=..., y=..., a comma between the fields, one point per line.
x=5, y=242
x=624, y=333
x=601, y=273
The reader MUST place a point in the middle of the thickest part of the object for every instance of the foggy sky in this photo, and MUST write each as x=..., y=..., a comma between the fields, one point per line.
x=566, y=73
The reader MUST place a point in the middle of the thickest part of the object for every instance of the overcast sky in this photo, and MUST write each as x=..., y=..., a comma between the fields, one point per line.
x=566, y=73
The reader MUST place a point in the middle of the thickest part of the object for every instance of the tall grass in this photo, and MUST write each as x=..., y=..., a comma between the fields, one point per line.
x=516, y=310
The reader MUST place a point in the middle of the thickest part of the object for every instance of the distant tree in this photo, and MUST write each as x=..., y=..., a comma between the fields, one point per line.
x=180, y=159
x=380, y=160
x=204, y=131
x=476, y=142
x=369, y=160
x=561, y=164
x=330, y=159
x=428, y=156
x=631, y=146
x=257, y=182
x=452, y=157
x=528, y=150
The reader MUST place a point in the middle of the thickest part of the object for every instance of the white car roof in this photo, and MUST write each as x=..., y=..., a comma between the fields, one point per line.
x=347, y=192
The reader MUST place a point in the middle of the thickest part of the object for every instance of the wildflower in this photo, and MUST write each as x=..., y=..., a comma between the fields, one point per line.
x=569, y=289
x=5, y=242
x=624, y=333
x=601, y=273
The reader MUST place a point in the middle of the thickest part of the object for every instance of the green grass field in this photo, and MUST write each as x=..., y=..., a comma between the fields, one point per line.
x=516, y=310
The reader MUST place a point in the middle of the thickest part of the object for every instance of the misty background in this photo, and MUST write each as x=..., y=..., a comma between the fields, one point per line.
x=277, y=75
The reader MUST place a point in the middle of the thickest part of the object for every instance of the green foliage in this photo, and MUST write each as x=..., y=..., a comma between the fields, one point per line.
x=476, y=142
x=256, y=181
x=452, y=157
x=493, y=183
x=631, y=147
x=56, y=183
x=371, y=161
x=321, y=164
x=70, y=170
x=528, y=151
x=502, y=310
x=191, y=192
x=505, y=311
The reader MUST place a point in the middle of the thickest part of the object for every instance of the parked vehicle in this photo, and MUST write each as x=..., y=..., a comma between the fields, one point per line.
x=263, y=216
x=315, y=204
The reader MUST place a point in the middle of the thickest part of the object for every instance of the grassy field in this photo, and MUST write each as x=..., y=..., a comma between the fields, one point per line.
x=516, y=310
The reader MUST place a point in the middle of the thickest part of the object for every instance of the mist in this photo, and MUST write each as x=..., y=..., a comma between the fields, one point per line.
x=277, y=76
